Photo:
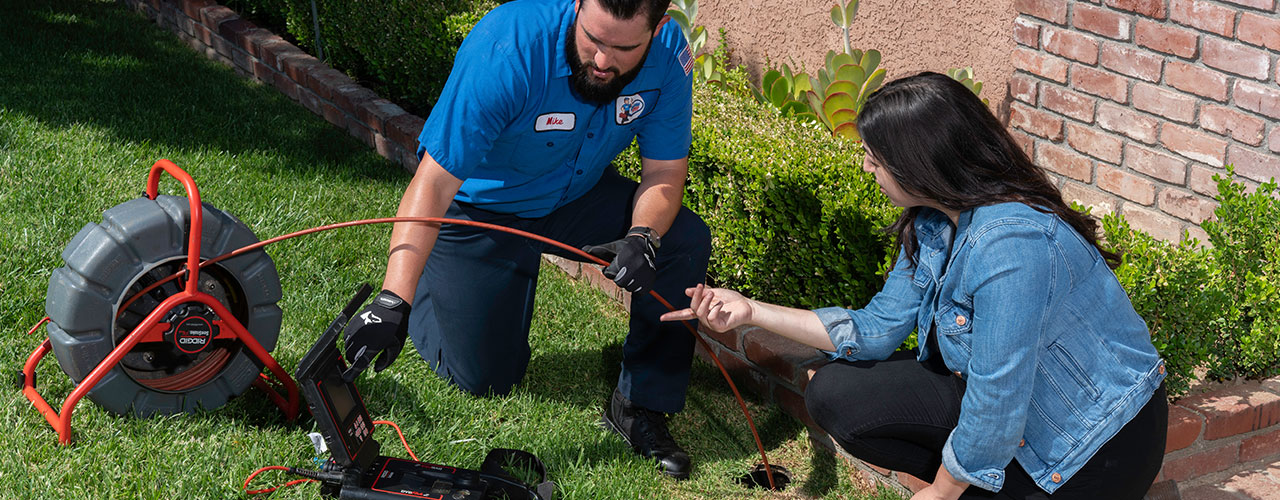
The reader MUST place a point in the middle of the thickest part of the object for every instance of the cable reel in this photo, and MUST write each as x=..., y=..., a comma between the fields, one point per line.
x=189, y=360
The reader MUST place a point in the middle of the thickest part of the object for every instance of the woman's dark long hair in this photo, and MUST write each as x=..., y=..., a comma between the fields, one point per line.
x=940, y=142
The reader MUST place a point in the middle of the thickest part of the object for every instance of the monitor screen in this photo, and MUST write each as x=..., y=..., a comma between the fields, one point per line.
x=341, y=400
x=336, y=404
x=347, y=411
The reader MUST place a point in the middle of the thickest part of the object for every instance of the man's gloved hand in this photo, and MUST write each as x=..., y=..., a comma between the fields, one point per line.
x=380, y=327
x=630, y=260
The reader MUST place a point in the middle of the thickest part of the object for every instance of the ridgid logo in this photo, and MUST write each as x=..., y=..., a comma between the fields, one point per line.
x=554, y=121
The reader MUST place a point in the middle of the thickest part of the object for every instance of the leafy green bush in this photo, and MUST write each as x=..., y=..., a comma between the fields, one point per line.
x=1168, y=287
x=794, y=219
x=1246, y=249
x=402, y=49
x=1213, y=308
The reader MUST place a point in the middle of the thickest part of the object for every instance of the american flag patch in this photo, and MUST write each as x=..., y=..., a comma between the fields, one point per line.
x=686, y=60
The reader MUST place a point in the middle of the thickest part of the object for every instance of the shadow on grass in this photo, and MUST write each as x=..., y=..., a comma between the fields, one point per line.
x=583, y=377
x=253, y=409
x=822, y=474
x=100, y=66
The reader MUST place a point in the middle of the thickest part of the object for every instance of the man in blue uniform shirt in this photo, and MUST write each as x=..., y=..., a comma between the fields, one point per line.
x=542, y=96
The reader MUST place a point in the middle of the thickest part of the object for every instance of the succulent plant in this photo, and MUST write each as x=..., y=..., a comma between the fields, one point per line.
x=837, y=94
x=966, y=78
x=785, y=91
x=684, y=13
x=833, y=97
x=842, y=14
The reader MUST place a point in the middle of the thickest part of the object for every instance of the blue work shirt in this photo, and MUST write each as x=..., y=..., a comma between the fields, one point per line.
x=509, y=125
x=1055, y=359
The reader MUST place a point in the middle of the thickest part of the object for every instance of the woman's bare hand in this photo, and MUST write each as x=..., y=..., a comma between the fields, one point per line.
x=720, y=309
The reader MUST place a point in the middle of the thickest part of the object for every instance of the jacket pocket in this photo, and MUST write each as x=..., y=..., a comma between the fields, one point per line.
x=1063, y=358
x=955, y=323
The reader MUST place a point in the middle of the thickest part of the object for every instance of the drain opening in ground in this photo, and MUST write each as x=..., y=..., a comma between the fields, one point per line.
x=758, y=477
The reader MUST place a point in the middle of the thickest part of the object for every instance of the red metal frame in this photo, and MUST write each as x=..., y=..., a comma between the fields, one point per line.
x=150, y=329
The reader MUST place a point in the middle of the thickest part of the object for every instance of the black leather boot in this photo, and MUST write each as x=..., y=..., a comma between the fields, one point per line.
x=646, y=431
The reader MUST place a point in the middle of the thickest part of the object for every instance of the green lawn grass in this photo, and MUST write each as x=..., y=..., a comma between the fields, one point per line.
x=92, y=94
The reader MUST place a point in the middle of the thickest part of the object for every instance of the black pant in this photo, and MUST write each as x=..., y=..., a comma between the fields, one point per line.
x=898, y=413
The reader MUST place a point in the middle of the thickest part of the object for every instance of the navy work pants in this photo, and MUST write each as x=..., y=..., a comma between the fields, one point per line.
x=474, y=302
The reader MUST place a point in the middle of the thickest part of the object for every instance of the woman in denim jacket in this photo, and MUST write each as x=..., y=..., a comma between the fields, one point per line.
x=1035, y=377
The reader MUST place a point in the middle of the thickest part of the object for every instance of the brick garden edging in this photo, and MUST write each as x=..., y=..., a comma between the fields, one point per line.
x=221, y=35
x=1211, y=436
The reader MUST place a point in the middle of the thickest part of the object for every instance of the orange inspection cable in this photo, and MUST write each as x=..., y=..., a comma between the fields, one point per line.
x=273, y=488
x=401, y=434
x=443, y=220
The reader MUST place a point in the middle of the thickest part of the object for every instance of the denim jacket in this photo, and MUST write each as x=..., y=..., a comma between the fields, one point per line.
x=1054, y=357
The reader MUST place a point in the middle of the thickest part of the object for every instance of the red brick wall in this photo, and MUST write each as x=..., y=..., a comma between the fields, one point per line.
x=1133, y=105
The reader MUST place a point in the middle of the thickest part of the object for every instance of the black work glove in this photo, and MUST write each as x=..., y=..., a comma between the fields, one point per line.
x=380, y=327
x=630, y=261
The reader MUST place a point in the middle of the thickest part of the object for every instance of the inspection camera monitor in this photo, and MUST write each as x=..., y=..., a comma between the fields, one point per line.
x=344, y=421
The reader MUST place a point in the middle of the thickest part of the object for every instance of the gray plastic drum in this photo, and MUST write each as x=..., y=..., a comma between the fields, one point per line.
x=138, y=242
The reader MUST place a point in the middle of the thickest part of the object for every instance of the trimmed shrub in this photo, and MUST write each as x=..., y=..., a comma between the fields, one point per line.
x=402, y=49
x=1214, y=308
x=1246, y=250
x=794, y=219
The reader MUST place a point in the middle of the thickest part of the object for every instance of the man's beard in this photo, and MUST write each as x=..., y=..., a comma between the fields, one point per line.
x=585, y=85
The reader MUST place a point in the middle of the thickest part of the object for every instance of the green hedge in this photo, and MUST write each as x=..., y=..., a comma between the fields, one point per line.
x=1214, y=309
x=402, y=49
x=794, y=219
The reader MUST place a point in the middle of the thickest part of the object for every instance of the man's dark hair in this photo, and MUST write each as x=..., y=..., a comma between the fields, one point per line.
x=627, y=9
x=940, y=142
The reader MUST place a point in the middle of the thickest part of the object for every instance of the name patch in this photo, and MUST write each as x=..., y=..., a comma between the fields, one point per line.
x=554, y=121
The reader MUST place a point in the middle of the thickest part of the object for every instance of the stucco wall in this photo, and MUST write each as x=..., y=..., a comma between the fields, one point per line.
x=912, y=35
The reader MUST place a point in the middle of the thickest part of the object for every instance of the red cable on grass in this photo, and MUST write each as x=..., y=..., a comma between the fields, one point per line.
x=443, y=220
x=273, y=488
x=402, y=440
